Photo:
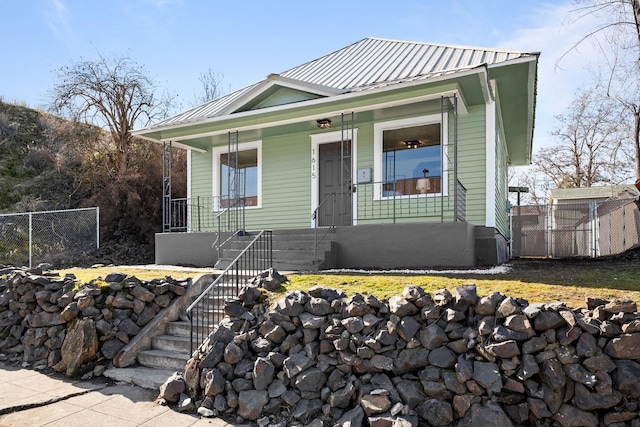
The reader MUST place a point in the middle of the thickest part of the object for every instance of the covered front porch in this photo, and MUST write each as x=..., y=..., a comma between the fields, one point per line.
x=396, y=233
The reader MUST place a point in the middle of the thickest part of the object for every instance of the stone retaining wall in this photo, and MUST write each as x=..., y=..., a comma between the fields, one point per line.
x=447, y=359
x=48, y=320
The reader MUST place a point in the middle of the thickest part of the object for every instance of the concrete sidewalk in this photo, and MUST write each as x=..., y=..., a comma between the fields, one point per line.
x=31, y=398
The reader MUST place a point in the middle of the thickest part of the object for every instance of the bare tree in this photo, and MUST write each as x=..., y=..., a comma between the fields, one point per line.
x=618, y=68
x=113, y=93
x=590, y=150
x=212, y=87
x=613, y=14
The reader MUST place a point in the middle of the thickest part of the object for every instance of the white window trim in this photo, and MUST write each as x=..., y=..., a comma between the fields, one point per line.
x=216, y=152
x=380, y=127
x=328, y=138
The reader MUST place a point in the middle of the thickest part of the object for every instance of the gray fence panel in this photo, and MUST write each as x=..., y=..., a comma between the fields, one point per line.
x=588, y=229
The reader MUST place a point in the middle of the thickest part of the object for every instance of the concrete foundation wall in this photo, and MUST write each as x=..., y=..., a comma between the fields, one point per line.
x=406, y=245
x=491, y=247
x=186, y=249
x=383, y=246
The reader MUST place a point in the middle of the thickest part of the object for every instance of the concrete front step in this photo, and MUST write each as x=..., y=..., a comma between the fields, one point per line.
x=179, y=328
x=293, y=250
x=142, y=376
x=183, y=329
x=172, y=343
x=163, y=359
x=283, y=245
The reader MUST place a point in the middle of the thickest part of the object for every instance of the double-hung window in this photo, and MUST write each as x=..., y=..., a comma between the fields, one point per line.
x=408, y=156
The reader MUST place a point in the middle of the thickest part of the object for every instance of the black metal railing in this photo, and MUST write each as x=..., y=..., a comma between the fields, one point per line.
x=208, y=309
x=192, y=214
x=400, y=200
x=231, y=223
x=461, y=202
x=206, y=213
x=324, y=221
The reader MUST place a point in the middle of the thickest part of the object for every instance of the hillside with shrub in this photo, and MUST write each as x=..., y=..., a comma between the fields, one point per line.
x=49, y=163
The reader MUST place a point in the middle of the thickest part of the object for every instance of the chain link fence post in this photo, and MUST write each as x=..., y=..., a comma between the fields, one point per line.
x=49, y=236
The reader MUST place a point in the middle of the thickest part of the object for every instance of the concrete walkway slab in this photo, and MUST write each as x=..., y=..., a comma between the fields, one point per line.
x=32, y=399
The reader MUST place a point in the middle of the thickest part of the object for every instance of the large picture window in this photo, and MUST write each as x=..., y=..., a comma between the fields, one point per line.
x=237, y=176
x=409, y=157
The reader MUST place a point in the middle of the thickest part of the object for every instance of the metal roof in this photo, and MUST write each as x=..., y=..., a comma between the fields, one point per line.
x=367, y=64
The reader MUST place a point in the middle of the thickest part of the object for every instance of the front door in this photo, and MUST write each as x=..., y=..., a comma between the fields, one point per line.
x=335, y=184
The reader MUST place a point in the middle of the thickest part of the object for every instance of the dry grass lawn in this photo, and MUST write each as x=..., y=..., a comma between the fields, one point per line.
x=570, y=281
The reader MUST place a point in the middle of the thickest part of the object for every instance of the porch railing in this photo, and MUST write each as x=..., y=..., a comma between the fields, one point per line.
x=390, y=201
x=230, y=223
x=193, y=214
x=208, y=309
x=461, y=202
x=206, y=213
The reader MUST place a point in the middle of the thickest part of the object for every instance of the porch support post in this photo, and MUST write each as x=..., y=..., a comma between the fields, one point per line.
x=167, y=165
x=455, y=157
x=442, y=155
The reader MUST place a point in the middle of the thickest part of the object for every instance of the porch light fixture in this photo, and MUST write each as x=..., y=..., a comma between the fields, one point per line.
x=324, y=123
x=414, y=143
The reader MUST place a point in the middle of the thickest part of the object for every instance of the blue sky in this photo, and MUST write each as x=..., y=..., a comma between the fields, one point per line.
x=176, y=40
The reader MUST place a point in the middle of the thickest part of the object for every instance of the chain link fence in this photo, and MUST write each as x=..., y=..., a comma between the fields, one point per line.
x=32, y=238
x=589, y=229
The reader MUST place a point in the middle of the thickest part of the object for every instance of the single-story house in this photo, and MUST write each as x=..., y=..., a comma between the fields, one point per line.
x=397, y=152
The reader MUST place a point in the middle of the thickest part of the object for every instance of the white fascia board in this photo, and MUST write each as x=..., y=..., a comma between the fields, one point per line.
x=176, y=143
x=277, y=80
x=321, y=101
x=487, y=92
x=532, y=58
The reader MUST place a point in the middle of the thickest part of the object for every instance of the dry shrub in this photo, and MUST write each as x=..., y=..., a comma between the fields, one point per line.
x=131, y=203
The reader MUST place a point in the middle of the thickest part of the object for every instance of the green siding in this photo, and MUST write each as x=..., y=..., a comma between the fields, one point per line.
x=286, y=183
x=286, y=170
x=472, y=162
x=502, y=187
x=201, y=174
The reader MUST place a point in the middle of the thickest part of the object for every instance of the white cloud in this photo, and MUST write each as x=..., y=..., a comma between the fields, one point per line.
x=58, y=18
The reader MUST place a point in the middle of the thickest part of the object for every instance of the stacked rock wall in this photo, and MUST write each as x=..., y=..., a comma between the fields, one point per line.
x=447, y=359
x=47, y=320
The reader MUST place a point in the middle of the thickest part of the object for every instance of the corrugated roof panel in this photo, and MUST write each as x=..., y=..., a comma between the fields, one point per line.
x=367, y=64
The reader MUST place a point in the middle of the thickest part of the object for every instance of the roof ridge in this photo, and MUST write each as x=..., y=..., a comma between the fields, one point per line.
x=456, y=46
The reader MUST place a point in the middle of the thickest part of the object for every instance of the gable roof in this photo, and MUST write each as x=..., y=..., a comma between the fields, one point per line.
x=367, y=64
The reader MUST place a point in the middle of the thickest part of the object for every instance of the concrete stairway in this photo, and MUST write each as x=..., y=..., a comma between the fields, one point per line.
x=170, y=350
x=163, y=346
x=293, y=250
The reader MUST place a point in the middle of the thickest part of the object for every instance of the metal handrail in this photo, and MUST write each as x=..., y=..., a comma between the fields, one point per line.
x=205, y=312
x=330, y=227
x=238, y=229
